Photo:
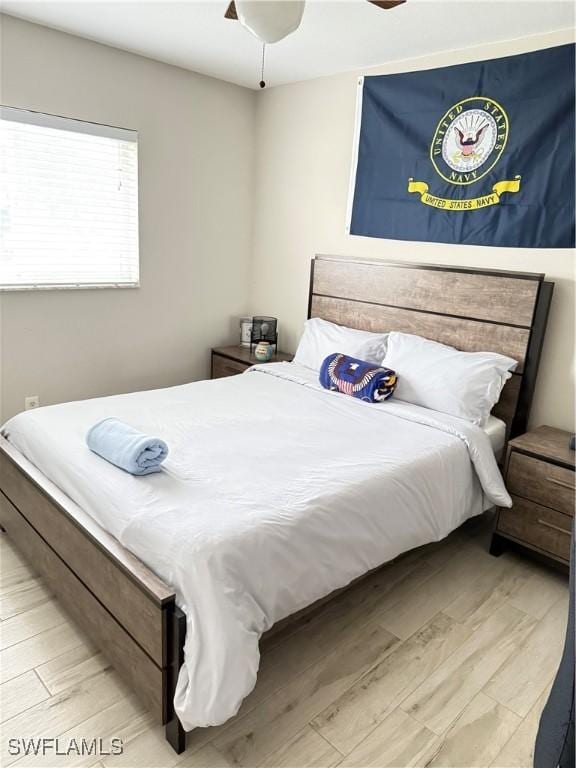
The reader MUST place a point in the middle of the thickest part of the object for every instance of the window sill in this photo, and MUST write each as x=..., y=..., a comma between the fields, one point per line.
x=69, y=287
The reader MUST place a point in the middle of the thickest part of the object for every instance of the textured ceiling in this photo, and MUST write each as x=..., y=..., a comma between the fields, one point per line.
x=333, y=37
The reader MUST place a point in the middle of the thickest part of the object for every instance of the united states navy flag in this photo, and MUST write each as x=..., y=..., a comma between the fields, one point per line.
x=479, y=153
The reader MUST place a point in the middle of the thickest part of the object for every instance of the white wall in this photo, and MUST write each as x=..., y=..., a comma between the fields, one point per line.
x=196, y=182
x=304, y=149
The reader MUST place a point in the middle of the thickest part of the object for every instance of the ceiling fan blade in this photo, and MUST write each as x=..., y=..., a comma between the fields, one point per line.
x=386, y=5
x=231, y=12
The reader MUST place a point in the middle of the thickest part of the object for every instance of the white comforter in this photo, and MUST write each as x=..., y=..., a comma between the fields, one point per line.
x=276, y=492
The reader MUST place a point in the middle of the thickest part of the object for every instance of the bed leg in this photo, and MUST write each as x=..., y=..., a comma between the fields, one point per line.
x=497, y=545
x=175, y=733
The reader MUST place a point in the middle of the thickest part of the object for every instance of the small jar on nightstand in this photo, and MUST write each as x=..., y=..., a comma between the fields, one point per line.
x=539, y=475
x=228, y=361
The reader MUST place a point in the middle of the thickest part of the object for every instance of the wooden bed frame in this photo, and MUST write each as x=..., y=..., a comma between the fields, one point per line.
x=125, y=608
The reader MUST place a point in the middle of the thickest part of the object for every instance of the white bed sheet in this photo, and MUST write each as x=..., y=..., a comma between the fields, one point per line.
x=276, y=493
x=496, y=431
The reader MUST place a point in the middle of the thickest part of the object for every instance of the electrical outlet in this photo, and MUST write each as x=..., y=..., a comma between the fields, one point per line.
x=31, y=402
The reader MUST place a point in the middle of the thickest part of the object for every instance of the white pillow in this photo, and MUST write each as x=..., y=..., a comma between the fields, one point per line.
x=463, y=384
x=322, y=338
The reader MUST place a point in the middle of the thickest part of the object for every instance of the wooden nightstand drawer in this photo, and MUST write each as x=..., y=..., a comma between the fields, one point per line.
x=541, y=482
x=540, y=477
x=539, y=526
x=229, y=361
x=224, y=366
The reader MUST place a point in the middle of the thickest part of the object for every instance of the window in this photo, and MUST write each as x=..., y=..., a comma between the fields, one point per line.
x=68, y=203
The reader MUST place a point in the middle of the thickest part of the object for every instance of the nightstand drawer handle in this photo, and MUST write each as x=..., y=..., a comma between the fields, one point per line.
x=554, y=527
x=561, y=483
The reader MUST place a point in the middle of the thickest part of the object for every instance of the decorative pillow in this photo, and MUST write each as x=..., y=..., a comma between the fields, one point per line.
x=357, y=378
x=463, y=384
x=322, y=338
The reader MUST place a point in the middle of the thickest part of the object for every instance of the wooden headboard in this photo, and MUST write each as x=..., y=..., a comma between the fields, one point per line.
x=471, y=309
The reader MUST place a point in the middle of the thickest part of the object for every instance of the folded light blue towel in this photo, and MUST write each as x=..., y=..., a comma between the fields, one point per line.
x=125, y=447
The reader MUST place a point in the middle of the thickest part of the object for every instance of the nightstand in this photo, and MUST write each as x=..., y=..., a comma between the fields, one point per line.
x=539, y=475
x=228, y=361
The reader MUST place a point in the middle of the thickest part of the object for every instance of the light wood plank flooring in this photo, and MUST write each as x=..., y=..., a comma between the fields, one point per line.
x=443, y=658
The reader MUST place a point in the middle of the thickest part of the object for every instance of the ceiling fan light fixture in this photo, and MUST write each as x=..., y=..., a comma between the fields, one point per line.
x=387, y=5
x=270, y=20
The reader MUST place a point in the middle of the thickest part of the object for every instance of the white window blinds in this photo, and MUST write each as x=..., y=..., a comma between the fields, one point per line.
x=68, y=203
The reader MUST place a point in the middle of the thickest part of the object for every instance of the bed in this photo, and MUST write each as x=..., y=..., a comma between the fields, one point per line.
x=223, y=554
